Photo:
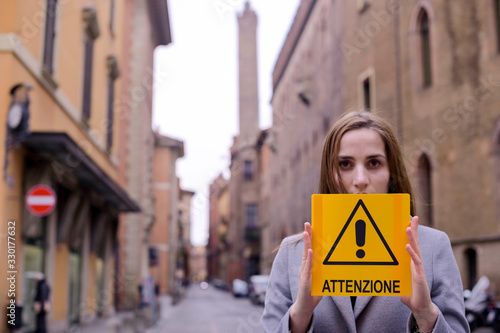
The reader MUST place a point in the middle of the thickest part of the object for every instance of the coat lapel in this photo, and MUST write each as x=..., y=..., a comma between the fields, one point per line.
x=361, y=303
x=343, y=303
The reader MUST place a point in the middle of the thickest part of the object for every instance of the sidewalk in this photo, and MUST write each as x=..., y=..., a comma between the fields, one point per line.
x=120, y=322
x=128, y=321
x=166, y=308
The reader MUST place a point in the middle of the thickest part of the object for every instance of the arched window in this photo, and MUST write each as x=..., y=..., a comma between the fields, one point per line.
x=425, y=189
x=471, y=266
x=423, y=25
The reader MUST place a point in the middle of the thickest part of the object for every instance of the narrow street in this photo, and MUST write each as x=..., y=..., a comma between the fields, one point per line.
x=210, y=310
x=215, y=311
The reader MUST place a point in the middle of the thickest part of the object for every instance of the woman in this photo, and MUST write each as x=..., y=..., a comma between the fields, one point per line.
x=362, y=155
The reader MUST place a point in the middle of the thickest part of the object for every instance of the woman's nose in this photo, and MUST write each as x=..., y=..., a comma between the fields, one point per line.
x=360, y=177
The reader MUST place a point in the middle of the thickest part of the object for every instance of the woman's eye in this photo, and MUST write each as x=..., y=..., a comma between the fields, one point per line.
x=344, y=164
x=374, y=163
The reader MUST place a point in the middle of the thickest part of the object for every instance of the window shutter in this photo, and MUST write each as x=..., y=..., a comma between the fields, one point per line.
x=113, y=73
x=92, y=32
x=87, y=78
x=50, y=34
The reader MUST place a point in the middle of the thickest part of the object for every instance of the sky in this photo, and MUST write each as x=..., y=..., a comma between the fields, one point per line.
x=196, y=87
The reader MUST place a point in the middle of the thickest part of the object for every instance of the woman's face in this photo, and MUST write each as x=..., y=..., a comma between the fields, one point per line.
x=363, y=164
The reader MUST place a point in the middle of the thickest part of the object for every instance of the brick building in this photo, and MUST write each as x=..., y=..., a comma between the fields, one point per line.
x=432, y=69
x=243, y=230
x=217, y=246
x=145, y=26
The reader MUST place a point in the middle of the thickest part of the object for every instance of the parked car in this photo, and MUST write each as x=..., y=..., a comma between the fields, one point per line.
x=257, y=288
x=240, y=288
x=219, y=284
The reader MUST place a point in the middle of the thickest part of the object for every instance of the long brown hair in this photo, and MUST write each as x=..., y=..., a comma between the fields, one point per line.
x=398, y=181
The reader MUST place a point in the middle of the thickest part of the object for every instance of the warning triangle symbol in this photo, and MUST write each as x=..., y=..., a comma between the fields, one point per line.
x=377, y=253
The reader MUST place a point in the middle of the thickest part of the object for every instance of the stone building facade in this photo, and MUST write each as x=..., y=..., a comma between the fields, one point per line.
x=432, y=68
x=307, y=98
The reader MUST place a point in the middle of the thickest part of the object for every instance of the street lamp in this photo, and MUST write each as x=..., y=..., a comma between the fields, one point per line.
x=17, y=121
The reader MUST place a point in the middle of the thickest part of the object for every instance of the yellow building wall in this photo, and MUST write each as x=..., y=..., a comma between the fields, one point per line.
x=120, y=103
x=70, y=55
x=47, y=116
x=104, y=46
x=26, y=18
x=61, y=280
x=6, y=69
x=69, y=52
x=8, y=21
x=11, y=210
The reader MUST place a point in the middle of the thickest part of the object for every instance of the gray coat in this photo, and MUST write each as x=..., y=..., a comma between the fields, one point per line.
x=377, y=314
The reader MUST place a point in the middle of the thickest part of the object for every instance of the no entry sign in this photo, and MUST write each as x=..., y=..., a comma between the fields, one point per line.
x=41, y=200
x=359, y=244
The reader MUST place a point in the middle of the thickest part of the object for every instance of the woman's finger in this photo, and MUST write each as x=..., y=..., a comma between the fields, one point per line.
x=308, y=233
x=412, y=234
x=307, y=243
x=308, y=228
x=413, y=248
x=413, y=255
x=308, y=267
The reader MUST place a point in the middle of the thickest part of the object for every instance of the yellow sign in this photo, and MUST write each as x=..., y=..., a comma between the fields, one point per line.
x=359, y=244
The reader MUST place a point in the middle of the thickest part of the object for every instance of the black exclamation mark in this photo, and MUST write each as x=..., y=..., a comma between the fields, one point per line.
x=360, y=237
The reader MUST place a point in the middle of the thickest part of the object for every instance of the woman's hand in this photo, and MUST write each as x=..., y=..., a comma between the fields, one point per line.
x=420, y=302
x=302, y=310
